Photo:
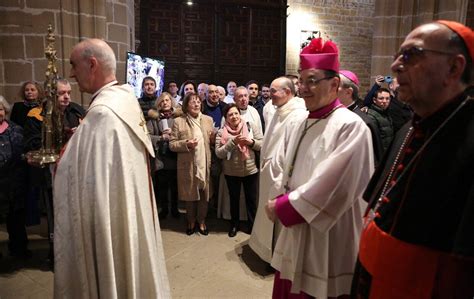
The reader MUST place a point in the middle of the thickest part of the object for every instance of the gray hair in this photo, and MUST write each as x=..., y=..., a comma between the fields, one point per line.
x=287, y=83
x=62, y=81
x=5, y=104
x=347, y=83
x=102, y=52
x=221, y=88
x=241, y=88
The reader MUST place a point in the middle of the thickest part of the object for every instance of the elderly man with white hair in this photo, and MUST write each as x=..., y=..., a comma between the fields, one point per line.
x=107, y=236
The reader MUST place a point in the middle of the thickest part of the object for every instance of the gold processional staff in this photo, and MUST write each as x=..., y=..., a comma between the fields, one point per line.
x=52, y=125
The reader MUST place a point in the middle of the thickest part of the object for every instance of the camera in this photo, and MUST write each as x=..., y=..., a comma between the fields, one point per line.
x=387, y=79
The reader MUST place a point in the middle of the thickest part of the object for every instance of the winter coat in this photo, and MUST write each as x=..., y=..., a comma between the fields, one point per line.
x=232, y=164
x=187, y=181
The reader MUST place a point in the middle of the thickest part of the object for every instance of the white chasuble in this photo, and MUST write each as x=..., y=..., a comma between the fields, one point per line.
x=107, y=236
x=331, y=170
x=271, y=172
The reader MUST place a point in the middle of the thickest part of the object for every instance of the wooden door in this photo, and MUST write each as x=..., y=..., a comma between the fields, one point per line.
x=215, y=41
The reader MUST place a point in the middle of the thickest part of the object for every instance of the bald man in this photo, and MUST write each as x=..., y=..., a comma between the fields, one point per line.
x=290, y=111
x=419, y=235
x=107, y=240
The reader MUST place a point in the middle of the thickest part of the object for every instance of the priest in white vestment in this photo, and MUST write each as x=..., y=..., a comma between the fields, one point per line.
x=290, y=112
x=327, y=167
x=108, y=240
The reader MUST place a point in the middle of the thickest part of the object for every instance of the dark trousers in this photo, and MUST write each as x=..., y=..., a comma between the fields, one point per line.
x=250, y=183
x=166, y=180
x=18, y=240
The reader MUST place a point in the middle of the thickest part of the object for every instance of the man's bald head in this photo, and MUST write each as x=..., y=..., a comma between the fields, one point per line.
x=93, y=64
x=430, y=69
x=99, y=49
x=282, y=90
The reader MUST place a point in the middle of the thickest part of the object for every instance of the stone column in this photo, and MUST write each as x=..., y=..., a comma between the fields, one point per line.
x=23, y=27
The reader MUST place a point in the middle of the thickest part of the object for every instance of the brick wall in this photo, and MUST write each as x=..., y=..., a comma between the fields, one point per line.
x=23, y=28
x=395, y=19
x=349, y=23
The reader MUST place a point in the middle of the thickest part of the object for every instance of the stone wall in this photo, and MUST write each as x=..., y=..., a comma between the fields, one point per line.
x=349, y=23
x=395, y=19
x=23, y=28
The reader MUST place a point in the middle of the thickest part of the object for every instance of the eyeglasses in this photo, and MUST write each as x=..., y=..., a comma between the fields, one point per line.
x=408, y=53
x=311, y=81
x=275, y=90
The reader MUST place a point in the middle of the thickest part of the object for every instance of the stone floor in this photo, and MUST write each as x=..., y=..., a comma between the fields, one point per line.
x=213, y=266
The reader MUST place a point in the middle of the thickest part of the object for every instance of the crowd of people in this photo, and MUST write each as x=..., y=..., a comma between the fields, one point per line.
x=343, y=196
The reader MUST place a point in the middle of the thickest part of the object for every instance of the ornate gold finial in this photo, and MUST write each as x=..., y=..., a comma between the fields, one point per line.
x=51, y=71
x=52, y=125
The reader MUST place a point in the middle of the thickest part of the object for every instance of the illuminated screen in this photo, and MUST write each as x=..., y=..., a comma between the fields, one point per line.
x=139, y=67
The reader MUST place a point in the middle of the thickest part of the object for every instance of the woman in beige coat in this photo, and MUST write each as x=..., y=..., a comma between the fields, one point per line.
x=236, y=144
x=190, y=138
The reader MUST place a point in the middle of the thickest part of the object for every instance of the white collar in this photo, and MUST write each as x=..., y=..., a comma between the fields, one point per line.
x=102, y=88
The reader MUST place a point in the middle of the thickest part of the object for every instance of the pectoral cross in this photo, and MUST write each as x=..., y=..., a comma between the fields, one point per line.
x=143, y=124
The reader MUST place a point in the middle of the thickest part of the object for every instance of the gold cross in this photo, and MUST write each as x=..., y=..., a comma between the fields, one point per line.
x=143, y=124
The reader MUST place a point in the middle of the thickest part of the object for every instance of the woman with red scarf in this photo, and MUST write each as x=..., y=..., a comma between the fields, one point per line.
x=236, y=144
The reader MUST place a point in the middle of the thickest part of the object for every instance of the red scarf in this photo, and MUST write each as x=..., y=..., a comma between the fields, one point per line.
x=3, y=126
x=241, y=129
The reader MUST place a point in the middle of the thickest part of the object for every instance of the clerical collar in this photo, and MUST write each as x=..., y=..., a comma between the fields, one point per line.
x=211, y=105
x=326, y=110
x=102, y=88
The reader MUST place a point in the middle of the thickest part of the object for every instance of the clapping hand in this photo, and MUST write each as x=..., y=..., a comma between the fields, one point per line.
x=166, y=134
x=242, y=141
x=191, y=143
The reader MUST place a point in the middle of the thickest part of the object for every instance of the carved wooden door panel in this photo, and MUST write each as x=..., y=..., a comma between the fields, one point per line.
x=215, y=41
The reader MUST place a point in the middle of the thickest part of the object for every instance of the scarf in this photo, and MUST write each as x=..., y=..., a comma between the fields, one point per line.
x=31, y=104
x=241, y=129
x=166, y=114
x=3, y=126
x=200, y=150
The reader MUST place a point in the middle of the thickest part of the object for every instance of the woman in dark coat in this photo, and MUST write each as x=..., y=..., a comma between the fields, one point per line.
x=32, y=94
x=166, y=180
x=12, y=183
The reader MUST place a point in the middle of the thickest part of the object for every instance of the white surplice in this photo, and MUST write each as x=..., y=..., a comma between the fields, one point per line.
x=271, y=171
x=331, y=171
x=107, y=236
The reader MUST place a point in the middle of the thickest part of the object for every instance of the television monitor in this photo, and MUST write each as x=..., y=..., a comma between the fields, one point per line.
x=139, y=67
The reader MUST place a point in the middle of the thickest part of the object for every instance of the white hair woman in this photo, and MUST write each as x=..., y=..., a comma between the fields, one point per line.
x=190, y=138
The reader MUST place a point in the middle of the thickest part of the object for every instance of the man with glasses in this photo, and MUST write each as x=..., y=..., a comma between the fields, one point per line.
x=328, y=163
x=419, y=235
x=290, y=111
